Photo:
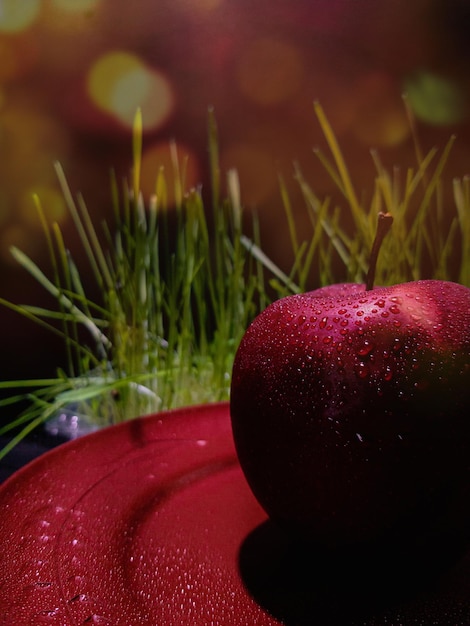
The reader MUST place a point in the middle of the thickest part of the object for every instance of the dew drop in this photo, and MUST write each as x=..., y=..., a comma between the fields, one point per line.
x=365, y=349
x=323, y=322
x=96, y=619
x=46, y=616
x=80, y=597
x=362, y=370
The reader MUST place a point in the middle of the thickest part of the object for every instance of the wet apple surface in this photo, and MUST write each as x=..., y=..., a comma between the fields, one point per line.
x=349, y=411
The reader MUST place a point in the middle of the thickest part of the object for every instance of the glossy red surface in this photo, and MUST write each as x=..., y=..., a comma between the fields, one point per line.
x=152, y=523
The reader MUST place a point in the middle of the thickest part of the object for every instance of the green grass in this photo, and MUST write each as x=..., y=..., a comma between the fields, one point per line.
x=177, y=295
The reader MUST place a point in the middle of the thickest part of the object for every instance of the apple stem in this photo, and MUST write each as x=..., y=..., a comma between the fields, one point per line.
x=384, y=223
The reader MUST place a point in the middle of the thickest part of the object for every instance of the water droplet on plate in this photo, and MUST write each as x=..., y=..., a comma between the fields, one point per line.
x=47, y=616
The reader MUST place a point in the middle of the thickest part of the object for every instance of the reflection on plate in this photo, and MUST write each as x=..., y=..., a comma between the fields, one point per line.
x=151, y=523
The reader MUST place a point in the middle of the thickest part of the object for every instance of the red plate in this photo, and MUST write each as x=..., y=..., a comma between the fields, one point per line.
x=151, y=523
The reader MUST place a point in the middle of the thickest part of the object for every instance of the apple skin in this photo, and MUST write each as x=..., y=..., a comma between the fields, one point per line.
x=350, y=413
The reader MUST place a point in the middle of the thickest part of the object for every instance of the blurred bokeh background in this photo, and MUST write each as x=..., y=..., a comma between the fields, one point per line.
x=73, y=72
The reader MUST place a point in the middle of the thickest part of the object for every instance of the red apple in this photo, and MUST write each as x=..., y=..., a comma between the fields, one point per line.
x=350, y=412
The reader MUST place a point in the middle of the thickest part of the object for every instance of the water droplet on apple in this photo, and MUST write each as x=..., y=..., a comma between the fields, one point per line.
x=323, y=322
x=388, y=374
x=360, y=313
x=362, y=370
x=365, y=349
x=394, y=309
x=342, y=311
x=328, y=339
x=380, y=303
x=384, y=314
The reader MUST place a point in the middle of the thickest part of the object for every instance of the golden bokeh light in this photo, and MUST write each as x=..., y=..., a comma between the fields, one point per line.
x=168, y=156
x=18, y=15
x=270, y=71
x=52, y=203
x=119, y=83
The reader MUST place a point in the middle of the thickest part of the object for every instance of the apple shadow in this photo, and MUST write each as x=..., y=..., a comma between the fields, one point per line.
x=302, y=584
